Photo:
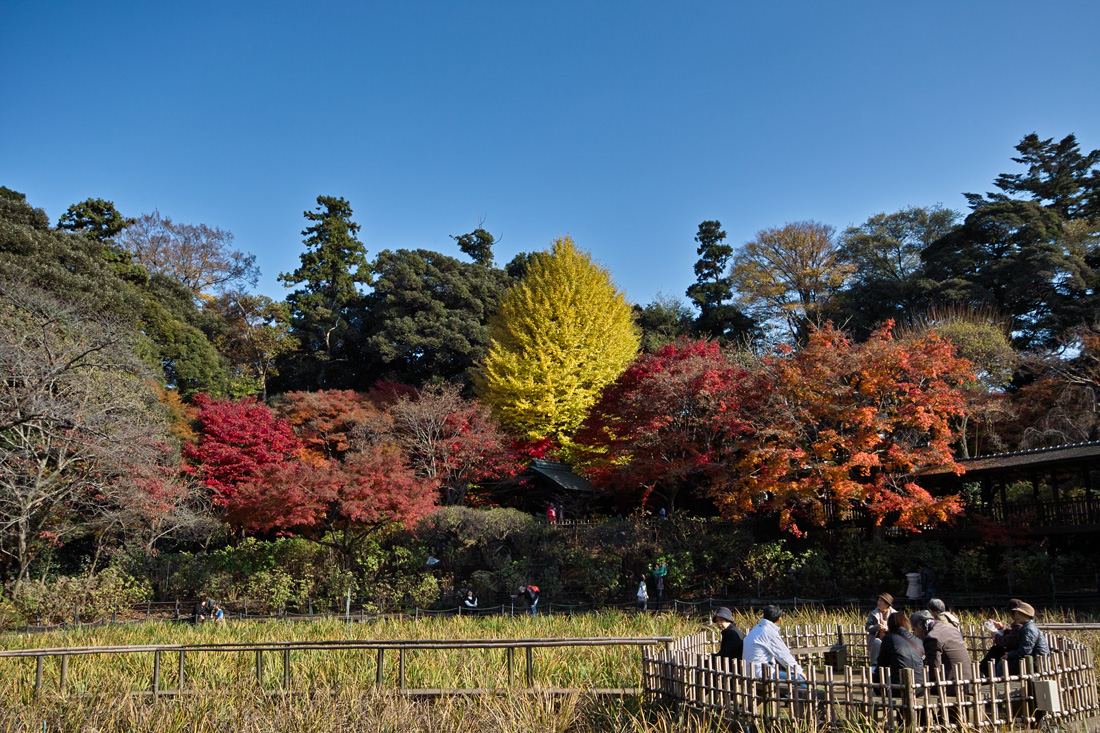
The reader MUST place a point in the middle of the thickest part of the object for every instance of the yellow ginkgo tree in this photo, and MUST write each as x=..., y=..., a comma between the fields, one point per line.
x=558, y=338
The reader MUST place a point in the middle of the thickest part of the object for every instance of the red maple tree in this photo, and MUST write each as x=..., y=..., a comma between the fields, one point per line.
x=846, y=425
x=238, y=440
x=335, y=503
x=670, y=424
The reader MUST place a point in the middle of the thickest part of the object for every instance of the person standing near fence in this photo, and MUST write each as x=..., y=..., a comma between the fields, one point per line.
x=659, y=583
x=643, y=595
x=470, y=601
x=530, y=594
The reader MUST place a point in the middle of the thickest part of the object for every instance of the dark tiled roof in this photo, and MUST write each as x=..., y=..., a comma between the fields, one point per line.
x=1034, y=458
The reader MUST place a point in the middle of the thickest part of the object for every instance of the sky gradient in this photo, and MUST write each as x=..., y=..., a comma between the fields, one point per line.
x=624, y=124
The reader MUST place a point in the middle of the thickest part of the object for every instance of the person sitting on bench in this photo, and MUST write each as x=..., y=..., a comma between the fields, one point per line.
x=765, y=648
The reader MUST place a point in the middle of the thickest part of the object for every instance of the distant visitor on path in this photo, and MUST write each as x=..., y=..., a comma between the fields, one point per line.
x=551, y=514
x=219, y=615
x=765, y=648
x=876, y=625
x=643, y=595
x=733, y=641
x=901, y=650
x=470, y=601
x=659, y=582
x=530, y=594
x=204, y=611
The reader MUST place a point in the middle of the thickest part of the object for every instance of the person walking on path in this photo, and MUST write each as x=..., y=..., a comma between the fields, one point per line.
x=659, y=582
x=643, y=595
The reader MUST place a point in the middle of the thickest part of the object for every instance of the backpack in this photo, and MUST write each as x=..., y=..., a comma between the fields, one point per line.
x=533, y=588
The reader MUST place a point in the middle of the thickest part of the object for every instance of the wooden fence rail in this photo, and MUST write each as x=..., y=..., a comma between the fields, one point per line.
x=187, y=654
x=687, y=672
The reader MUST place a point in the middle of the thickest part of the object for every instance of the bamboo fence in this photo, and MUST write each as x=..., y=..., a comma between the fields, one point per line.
x=835, y=692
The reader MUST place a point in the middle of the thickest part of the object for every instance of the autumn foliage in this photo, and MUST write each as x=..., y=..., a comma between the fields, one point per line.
x=834, y=428
x=846, y=425
x=671, y=424
x=239, y=439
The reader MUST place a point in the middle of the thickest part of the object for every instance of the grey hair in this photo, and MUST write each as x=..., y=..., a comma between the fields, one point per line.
x=920, y=620
x=936, y=606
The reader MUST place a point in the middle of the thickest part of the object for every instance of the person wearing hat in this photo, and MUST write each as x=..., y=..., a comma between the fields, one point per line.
x=944, y=646
x=876, y=625
x=733, y=641
x=1005, y=638
x=1032, y=642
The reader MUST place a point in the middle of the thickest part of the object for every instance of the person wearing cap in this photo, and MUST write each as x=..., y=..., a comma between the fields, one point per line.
x=733, y=641
x=1033, y=643
x=876, y=625
x=941, y=614
x=764, y=647
x=944, y=646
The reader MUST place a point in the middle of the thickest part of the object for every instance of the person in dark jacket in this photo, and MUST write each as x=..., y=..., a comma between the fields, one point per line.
x=1032, y=642
x=733, y=641
x=470, y=601
x=530, y=595
x=901, y=650
x=944, y=646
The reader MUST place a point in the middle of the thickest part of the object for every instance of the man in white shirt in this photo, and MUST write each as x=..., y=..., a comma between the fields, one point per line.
x=765, y=647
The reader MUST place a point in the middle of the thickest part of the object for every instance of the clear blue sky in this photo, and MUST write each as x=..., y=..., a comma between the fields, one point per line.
x=624, y=124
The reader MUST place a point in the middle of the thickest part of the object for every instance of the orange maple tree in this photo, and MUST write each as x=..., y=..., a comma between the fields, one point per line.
x=846, y=425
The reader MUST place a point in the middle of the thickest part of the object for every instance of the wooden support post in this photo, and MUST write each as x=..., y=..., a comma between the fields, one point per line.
x=286, y=668
x=910, y=697
x=39, y=660
x=530, y=667
x=156, y=673
x=380, y=667
x=259, y=667
x=182, y=678
x=64, y=673
x=511, y=654
x=401, y=669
